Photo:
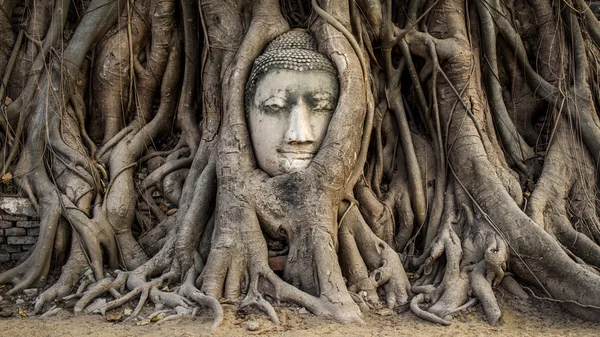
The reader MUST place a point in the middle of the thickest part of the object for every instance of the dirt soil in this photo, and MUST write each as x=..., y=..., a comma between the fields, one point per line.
x=530, y=317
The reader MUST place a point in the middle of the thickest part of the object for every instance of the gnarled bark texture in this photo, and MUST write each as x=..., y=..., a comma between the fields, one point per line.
x=463, y=150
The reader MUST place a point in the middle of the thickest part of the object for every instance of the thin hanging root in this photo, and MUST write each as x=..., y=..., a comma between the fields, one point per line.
x=414, y=307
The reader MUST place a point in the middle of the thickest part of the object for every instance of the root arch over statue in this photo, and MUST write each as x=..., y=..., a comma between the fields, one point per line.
x=185, y=143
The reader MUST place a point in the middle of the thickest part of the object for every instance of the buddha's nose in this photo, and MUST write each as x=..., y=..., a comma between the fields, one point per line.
x=299, y=128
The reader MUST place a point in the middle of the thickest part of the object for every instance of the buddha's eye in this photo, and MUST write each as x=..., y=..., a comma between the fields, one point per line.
x=324, y=107
x=273, y=108
x=274, y=105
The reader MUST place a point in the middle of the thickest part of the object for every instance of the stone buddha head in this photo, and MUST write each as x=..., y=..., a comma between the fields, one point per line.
x=290, y=97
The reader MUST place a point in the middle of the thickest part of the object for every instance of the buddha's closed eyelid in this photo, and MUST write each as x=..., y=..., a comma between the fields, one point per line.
x=323, y=104
x=273, y=105
x=275, y=101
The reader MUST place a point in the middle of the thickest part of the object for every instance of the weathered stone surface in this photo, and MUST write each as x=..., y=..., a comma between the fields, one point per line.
x=18, y=227
x=30, y=292
x=26, y=247
x=5, y=224
x=28, y=224
x=21, y=240
x=17, y=206
x=10, y=248
x=15, y=231
x=11, y=217
x=253, y=326
x=16, y=256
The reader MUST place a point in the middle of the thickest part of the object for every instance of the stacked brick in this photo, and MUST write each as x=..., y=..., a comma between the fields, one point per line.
x=19, y=228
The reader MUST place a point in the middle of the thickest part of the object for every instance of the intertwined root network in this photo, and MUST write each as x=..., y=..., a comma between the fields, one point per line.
x=462, y=149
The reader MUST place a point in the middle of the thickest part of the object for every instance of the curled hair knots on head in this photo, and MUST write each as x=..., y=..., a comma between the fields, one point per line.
x=294, y=50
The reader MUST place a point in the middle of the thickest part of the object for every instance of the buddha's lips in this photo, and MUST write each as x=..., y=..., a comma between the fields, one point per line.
x=297, y=154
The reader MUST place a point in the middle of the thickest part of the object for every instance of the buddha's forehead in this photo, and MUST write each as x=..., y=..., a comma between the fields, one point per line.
x=284, y=82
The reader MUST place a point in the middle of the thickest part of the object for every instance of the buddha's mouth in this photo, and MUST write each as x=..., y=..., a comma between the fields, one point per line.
x=297, y=154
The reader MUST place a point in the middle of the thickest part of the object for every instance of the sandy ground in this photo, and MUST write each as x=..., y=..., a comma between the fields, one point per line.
x=520, y=318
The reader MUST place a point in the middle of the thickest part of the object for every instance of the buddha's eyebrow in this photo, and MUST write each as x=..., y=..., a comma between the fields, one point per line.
x=322, y=95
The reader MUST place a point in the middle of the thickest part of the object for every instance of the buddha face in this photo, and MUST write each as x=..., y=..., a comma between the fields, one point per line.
x=288, y=118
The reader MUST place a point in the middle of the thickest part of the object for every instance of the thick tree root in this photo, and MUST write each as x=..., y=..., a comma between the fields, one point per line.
x=414, y=306
x=379, y=264
x=475, y=263
x=70, y=276
x=341, y=258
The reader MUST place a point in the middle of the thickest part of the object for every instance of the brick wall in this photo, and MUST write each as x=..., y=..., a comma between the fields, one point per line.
x=19, y=227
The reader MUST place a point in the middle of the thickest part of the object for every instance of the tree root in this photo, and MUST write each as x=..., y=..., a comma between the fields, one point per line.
x=71, y=275
x=382, y=262
x=340, y=259
x=414, y=306
x=98, y=289
x=477, y=262
x=189, y=290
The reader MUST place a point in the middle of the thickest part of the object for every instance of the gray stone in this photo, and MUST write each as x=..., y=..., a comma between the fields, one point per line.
x=253, y=326
x=19, y=301
x=4, y=257
x=17, y=206
x=26, y=247
x=33, y=231
x=2, y=239
x=16, y=256
x=28, y=224
x=5, y=224
x=10, y=248
x=21, y=240
x=11, y=217
x=15, y=231
x=30, y=292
